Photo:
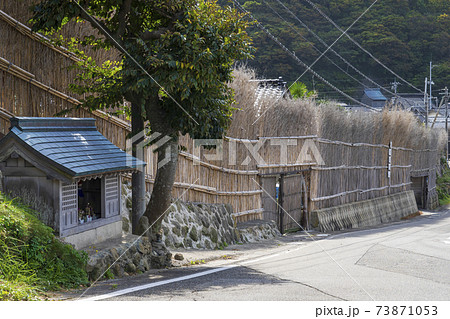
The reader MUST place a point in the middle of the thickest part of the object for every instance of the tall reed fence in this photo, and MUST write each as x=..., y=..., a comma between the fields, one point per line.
x=365, y=154
x=360, y=171
x=337, y=172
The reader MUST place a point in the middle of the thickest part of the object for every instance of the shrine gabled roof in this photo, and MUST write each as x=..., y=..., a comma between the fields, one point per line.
x=72, y=145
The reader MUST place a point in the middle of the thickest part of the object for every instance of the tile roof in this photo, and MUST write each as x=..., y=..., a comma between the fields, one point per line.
x=74, y=144
x=374, y=94
x=270, y=88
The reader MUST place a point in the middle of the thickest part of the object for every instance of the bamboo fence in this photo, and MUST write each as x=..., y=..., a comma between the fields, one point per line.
x=34, y=81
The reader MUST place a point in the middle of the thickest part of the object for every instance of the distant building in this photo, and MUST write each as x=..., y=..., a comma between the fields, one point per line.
x=409, y=101
x=374, y=98
x=414, y=102
x=270, y=88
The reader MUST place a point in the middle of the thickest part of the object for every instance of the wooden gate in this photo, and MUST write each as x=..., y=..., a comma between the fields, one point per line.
x=285, y=200
x=420, y=187
x=294, y=203
x=270, y=198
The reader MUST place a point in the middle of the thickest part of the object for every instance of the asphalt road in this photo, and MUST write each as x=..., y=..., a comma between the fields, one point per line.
x=408, y=260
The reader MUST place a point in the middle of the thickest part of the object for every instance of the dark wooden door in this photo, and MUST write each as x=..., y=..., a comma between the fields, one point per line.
x=270, y=198
x=293, y=200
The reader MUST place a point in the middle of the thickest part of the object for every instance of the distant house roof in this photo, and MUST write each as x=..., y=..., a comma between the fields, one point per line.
x=374, y=94
x=270, y=88
x=72, y=146
x=411, y=100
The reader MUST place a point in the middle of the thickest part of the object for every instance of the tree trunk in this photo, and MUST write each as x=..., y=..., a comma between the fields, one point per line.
x=138, y=178
x=161, y=197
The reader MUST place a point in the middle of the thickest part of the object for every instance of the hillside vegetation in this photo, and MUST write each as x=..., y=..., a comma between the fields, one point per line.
x=32, y=260
x=403, y=34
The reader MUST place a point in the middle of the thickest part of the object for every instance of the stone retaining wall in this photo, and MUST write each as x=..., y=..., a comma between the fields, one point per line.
x=210, y=226
x=189, y=225
x=201, y=226
x=256, y=230
x=137, y=255
x=365, y=213
x=186, y=225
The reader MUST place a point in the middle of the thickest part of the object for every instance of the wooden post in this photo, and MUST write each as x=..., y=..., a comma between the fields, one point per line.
x=389, y=167
x=280, y=203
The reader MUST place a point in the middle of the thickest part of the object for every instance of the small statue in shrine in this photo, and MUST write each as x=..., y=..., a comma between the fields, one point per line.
x=89, y=212
x=81, y=214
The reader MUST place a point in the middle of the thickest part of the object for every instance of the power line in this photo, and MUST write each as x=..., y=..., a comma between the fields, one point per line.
x=308, y=68
x=314, y=47
x=332, y=50
x=359, y=46
x=339, y=37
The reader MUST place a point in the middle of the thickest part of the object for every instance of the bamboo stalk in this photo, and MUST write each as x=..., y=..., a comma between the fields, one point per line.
x=305, y=137
x=248, y=212
x=28, y=77
x=37, y=36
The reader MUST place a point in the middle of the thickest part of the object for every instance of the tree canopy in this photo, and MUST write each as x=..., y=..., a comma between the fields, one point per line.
x=403, y=34
x=179, y=52
x=176, y=57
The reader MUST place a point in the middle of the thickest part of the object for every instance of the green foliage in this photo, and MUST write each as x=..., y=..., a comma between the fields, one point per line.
x=222, y=246
x=109, y=274
x=177, y=57
x=32, y=260
x=299, y=91
x=17, y=291
x=443, y=185
x=403, y=34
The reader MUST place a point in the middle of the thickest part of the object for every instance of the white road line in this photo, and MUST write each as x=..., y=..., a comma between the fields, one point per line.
x=170, y=281
x=156, y=284
x=267, y=257
x=447, y=241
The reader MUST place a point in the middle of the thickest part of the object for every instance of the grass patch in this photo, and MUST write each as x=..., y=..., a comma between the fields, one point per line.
x=292, y=230
x=32, y=259
x=198, y=262
x=443, y=185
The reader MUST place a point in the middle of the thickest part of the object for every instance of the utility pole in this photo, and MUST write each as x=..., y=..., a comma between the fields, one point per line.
x=431, y=83
x=425, y=102
x=445, y=98
x=394, y=85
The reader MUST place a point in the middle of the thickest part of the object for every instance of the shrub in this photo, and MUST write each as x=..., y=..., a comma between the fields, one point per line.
x=32, y=259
